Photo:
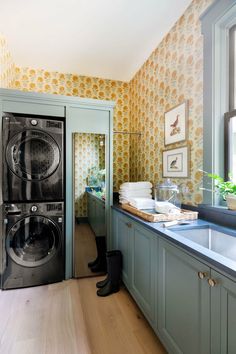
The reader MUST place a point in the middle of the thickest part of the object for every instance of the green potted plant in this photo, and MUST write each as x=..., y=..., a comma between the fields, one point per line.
x=227, y=189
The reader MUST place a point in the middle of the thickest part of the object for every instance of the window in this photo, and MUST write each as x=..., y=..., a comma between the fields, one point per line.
x=219, y=92
x=230, y=117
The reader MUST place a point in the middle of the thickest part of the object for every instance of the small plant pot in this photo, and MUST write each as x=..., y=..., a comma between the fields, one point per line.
x=231, y=201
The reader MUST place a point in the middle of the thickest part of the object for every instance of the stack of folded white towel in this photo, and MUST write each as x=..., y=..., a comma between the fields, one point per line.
x=137, y=194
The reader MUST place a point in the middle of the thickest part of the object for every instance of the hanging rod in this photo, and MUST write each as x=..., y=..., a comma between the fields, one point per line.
x=119, y=132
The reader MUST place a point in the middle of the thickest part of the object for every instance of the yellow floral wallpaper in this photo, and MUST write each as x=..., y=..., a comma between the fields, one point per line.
x=89, y=153
x=27, y=79
x=7, y=67
x=173, y=73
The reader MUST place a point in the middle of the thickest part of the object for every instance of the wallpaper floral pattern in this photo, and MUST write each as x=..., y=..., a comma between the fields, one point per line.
x=88, y=153
x=7, y=67
x=173, y=73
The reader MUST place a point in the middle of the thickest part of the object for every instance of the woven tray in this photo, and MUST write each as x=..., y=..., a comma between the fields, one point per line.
x=153, y=216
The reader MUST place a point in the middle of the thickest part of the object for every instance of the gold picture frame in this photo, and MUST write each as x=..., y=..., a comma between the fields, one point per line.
x=175, y=124
x=175, y=162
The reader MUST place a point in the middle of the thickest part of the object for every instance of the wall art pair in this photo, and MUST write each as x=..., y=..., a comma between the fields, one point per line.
x=176, y=161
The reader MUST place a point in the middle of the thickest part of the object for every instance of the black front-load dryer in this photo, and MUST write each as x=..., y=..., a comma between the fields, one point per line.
x=33, y=244
x=33, y=158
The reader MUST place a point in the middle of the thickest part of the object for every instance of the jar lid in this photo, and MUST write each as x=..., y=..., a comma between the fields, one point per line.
x=167, y=185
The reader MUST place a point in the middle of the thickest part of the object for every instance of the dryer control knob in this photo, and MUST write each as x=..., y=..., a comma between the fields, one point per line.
x=34, y=208
x=34, y=122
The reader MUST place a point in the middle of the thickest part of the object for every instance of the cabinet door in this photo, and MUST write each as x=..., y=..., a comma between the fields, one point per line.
x=100, y=217
x=89, y=203
x=143, y=270
x=223, y=315
x=183, y=302
x=93, y=215
x=123, y=235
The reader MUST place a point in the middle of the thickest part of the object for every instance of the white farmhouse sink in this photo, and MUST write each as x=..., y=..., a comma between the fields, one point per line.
x=214, y=240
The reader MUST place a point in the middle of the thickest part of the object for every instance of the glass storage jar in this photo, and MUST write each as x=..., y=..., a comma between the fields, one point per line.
x=167, y=192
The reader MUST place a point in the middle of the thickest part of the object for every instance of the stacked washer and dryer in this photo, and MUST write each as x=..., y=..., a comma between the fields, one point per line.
x=33, y=196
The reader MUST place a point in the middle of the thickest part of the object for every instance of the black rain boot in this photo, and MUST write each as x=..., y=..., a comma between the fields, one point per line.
x=93, y=263
x=102, y=283
x=114, y=264
x=101, y=264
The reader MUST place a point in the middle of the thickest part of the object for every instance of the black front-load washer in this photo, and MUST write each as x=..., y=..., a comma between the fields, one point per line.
x=33, y=244
x=33, y=158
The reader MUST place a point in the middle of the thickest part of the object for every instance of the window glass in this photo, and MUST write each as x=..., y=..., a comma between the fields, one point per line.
x=230, y=136
x=234, y=66
x=233, y=149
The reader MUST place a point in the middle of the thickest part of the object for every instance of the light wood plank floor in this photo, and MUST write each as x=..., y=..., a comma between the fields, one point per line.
x=69, y=318
x=85, y=250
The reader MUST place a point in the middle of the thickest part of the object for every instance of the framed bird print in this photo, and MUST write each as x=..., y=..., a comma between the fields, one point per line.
x=176, y=124
x=176, y=162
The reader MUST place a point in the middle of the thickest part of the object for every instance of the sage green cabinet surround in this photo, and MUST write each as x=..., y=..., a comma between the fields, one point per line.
x=92, y=116
x=190, y=304
x=16, y=105
x=81, y=115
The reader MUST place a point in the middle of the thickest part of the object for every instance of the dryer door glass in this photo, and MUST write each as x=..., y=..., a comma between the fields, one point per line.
x=33, y=241
x=33, y=155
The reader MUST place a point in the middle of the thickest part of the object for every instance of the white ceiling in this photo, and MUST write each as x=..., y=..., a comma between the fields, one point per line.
x=101, y=38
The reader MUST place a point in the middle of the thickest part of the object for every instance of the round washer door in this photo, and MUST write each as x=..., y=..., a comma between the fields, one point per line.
x=33, y=155
x=33, y=241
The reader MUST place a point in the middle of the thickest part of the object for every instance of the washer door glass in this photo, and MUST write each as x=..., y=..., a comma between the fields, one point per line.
x=33, y=241
x=33, y=155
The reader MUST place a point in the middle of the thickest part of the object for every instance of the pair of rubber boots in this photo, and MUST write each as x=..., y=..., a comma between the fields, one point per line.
x=112, y=282
x=99, y=264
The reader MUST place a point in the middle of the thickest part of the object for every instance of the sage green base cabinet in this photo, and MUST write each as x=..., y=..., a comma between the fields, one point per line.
x=223, y=314
x=183, y=302
x=122, y=234
x=96, y=215
x=196, y=305
x=139, y=250
x=143, y=270
x=190, y=305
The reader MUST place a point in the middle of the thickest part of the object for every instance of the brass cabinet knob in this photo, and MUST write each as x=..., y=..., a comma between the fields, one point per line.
x=212, y=282
x=129, y=224
x=202, y=275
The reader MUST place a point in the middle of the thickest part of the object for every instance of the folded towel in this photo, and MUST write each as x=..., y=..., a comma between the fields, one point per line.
x=136, y=193
x=125, y=189
x=135, y=185
x=142, y=203
x=127, y=200
x=166, y=207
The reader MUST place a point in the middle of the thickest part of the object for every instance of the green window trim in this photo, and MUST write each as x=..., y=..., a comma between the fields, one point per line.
x=216, y=23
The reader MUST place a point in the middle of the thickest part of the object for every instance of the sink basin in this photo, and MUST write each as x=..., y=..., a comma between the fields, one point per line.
x=212, y=239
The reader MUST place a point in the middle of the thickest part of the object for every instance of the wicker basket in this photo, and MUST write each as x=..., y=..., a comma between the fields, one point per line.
x=153, y=216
